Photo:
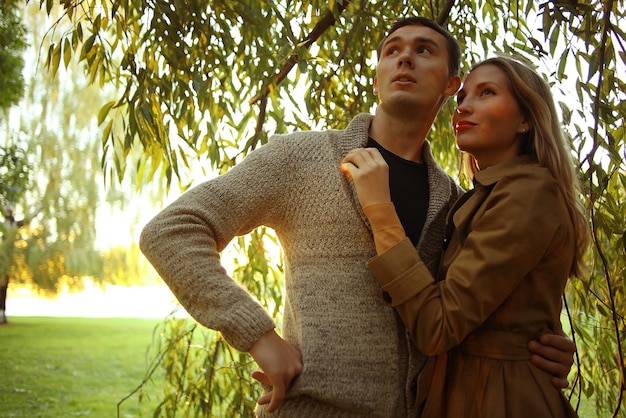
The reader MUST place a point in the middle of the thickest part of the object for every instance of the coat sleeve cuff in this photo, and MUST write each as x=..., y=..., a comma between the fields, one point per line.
x=401, y=272
x=386, y=225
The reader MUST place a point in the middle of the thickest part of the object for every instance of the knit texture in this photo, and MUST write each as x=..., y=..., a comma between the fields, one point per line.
x=357, y=360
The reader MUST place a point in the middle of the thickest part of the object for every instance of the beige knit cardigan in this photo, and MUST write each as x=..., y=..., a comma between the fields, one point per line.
x=357, y=360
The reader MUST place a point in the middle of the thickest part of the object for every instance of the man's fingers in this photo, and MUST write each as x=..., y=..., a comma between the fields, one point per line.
x=261, y=377
x=555, y=355
x=265, y=398
x=278, y=395
x=557, y=370
x=280, y=362
x=274, y=397
x=547, y=352
x=555, y=349
x=559, y=383
x=558, y=342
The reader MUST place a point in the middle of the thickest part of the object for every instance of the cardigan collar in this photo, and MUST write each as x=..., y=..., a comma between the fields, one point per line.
x=443, y=191
x=357, y=132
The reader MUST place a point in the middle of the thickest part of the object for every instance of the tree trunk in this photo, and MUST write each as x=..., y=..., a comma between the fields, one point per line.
x=3, y=301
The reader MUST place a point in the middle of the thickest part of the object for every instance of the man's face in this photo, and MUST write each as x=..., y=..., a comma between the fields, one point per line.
x=412, y=71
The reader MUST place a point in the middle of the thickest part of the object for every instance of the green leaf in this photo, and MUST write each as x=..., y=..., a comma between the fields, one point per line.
x=86, y=49
x=67, y=52
x=104, y=111
x=56, y=59
x=107, y=131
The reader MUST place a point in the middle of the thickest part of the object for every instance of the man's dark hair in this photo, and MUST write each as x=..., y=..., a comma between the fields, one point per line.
x=454, y=50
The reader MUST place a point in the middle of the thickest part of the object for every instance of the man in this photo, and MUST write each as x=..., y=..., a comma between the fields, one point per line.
x=343, y=352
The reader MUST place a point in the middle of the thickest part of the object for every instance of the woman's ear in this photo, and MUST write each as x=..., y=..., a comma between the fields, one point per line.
x=523, y=128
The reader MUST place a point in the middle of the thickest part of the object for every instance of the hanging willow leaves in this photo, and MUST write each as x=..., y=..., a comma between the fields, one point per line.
x=212, y=80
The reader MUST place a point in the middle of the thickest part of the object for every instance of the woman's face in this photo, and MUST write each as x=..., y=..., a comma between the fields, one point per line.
x=488, y=122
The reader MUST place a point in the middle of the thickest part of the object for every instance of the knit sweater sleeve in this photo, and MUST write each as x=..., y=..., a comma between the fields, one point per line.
x=386, y=225
x=184, y=241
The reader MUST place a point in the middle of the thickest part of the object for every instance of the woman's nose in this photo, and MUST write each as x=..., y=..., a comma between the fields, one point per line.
x=463, y=107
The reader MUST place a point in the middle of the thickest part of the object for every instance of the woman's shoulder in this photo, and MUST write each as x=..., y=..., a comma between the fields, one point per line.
x=521, y=173
x=530, y=188
x=531, y=175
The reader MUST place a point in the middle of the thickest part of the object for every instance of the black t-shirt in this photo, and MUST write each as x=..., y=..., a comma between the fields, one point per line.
x=408, y=183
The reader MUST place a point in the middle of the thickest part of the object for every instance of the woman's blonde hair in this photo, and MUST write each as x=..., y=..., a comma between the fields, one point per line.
x=545, y=141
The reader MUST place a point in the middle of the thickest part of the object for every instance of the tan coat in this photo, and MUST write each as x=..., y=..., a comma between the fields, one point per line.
x=509, y=254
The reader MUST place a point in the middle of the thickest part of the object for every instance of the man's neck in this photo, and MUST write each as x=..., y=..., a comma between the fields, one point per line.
x=399, y=135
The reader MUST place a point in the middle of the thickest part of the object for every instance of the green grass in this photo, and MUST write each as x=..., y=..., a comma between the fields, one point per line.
x=71, y=367
x=81, y=367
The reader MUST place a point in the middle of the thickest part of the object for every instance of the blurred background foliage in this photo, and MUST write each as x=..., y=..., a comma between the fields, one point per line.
x=192, y=86
x=51, y=180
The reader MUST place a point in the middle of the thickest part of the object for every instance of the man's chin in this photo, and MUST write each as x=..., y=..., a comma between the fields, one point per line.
x=403, y=105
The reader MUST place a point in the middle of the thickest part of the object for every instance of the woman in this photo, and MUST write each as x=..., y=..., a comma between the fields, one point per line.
x=512, y=243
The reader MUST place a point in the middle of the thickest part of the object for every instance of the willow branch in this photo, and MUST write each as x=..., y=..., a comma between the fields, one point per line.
x=591, y=156
x=445, y=13
x=322, y=26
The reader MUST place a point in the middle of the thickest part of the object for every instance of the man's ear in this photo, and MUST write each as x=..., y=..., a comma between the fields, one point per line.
x=454, y=84
x=375, y=86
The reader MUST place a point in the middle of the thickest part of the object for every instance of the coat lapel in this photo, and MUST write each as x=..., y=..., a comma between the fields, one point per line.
x=484, y=181
x=465, y=209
